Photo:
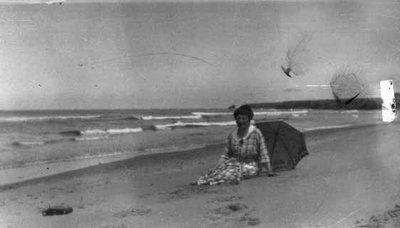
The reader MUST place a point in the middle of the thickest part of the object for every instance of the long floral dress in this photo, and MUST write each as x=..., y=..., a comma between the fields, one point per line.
x=242, y=160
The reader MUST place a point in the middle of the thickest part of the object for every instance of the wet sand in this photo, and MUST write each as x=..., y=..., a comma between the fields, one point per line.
x=350, y=179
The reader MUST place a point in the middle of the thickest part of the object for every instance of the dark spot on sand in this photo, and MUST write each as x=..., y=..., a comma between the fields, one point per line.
x=230, y=208
x=233, y=215
x=57, y=210
x=253, y=221
x=236, y=207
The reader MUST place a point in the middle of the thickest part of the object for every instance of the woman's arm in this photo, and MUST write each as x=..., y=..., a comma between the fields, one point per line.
x=228, y=147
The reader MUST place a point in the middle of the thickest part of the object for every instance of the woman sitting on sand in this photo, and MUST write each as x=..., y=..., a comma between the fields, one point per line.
x=247, y=154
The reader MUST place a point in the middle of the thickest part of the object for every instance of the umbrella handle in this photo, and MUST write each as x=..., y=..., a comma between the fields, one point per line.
x=274, y=145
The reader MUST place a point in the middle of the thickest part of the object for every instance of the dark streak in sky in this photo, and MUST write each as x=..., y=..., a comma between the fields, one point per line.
x=149, y=54
x=352, y=99
x=287, y=71
x=177, y=54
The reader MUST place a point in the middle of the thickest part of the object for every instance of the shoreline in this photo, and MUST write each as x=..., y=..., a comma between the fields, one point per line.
x=26, y=173
x=138, y=162
x=31, y=173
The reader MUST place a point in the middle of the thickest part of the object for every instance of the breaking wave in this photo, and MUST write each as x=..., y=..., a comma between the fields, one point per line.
x=124, y=130
x=169, y=117
x=90, y=138
x=97, y=132
x=44, y=118
x=111, y=131
x=194, y=124
x=212, y=113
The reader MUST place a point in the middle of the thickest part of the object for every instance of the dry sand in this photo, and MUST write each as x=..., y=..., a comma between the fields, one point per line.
x=350, y=179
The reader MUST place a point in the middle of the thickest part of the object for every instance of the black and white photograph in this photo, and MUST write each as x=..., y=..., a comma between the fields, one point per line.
x=199, y=113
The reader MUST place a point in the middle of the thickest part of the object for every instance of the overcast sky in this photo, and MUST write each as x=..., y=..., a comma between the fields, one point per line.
x=174, y=54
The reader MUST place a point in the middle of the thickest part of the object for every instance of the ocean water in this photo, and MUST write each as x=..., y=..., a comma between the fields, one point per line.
x=36, y=137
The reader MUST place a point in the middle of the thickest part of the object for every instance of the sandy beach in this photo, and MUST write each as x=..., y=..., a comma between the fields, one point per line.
x=111, y=108
x=350, y=179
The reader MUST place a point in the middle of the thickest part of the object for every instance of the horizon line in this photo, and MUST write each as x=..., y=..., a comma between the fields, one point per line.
x=179, y=108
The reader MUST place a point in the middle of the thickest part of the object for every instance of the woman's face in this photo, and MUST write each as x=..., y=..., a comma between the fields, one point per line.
x=242, y=120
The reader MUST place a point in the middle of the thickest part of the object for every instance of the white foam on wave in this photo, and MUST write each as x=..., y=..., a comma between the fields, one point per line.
x=44, y=118
x=112, y=131
x=90, y=138
x=211, y=113
x=169, y=117
x=124, y=130
x=199, y=124
x=94, y=132
x=328, y=127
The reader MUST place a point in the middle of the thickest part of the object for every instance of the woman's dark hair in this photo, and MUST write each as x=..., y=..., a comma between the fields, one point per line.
x=244, y=110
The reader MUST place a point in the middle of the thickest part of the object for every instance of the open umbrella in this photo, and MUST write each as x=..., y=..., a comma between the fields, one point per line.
x=286, y=145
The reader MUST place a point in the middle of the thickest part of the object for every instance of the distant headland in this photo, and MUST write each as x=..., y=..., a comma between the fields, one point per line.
x=359, y=103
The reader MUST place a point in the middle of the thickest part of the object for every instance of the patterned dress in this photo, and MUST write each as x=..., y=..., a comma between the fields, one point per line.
x=242, y=160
